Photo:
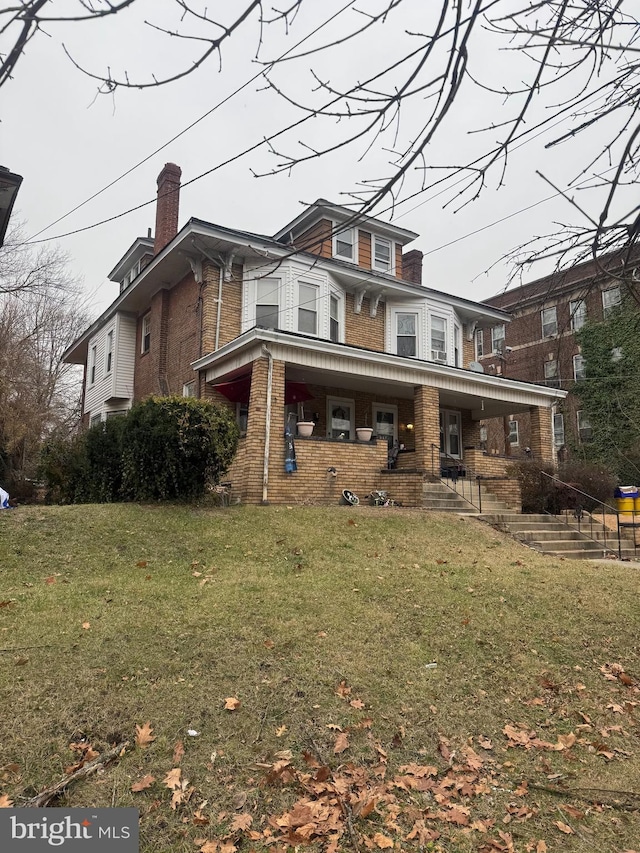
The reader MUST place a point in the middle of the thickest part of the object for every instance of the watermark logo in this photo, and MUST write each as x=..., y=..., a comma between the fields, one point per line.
x=69, y=830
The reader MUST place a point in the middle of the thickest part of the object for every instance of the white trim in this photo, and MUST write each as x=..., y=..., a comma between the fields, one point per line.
x=385, y=407
x=146, y=319
x=340, y=402
x=354, y=243
x=392, y=251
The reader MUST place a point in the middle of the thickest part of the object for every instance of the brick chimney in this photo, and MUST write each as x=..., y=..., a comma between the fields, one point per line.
x=412, y=266
x=167, y=206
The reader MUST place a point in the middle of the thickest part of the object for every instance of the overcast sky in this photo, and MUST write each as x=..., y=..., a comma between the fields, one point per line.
x=68, y=143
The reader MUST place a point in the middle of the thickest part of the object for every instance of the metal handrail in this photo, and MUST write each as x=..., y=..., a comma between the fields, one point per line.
x=579, y=517
x=457, y=473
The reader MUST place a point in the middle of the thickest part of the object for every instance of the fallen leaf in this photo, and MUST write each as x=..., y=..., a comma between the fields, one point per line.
x=239, y=800
x=343, y=690
x=342, y=743
x=144, y=736
x=209, y=847
x=231, y=703
x=178, y=752
x=626, y=679
x=382, y=841
x=144, y=783
x=6, y=603
x=172, y=779
x=269, y=644
x=541, y=847
x=241, y=822
x=5, y=802
x=280, y=731
x=563, y=827
x=572, y=811
x=50, y=580
x=485, y=743
x=141, y=564
x=21, y=661
x=86, y=625
x=357, y=703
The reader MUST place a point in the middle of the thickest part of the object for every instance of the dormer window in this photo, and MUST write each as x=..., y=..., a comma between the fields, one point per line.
x=382, y=258
x=129, y=277
x=344, y=245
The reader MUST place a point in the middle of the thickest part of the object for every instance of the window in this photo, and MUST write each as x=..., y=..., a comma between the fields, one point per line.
x=610, y=300
x=146, y=333
x=108, y=359
x=551, y=377
x=95, y=420
x=579, y=368
x=189, y=389
x=307, y=308
x=344, y=245
x=456, y=345
x=479, y=340
x=497, y=338
x=340, y=418
x=334, y=318
x=439, y=340
x=616, y=354
x=406, y=339
x=242, y=417
x=382, y=254
x=578, y=314
x=92, y=364
x=584, y=428
x=514, y=438
x=267, y=303
x=558, y=429
x=549, y=322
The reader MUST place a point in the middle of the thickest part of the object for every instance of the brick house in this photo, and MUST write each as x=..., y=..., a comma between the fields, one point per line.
x=328, y=320
x=539, y=345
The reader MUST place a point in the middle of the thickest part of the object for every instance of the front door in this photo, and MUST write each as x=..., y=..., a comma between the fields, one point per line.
x=450, y=433
x=385, y=423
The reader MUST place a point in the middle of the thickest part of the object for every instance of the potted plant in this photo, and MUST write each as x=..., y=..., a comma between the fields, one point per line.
x=305, y=428
x=364, y=433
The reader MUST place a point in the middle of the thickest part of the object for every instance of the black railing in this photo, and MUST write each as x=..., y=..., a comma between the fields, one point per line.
x=456, y=476
x=582, y=512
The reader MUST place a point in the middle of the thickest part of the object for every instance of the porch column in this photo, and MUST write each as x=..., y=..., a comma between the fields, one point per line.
x=254, y=444
x=426, y=405
x=470, y=431
x=541, y=434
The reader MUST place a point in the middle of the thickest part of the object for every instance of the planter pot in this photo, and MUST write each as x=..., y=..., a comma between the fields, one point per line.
x=364, y=433
x=305, y=428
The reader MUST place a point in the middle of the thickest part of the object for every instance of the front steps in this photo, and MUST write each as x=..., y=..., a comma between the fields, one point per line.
x=439, y=497
x=551, y=536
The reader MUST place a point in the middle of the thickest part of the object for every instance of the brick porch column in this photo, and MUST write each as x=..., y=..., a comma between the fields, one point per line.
x=253, y=454
x=470, y=431
x=541, y=434
x=426, y=405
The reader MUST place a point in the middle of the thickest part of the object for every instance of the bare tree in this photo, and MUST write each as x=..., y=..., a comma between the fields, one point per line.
x=575, y=64
x=38, y=393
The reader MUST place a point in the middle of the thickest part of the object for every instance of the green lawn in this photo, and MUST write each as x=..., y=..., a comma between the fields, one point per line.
x=322, y=624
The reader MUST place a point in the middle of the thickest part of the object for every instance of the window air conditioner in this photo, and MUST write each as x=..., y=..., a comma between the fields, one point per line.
x=439, y=355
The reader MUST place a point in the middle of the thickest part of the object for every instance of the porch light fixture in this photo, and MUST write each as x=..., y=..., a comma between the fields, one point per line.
x=409, y=426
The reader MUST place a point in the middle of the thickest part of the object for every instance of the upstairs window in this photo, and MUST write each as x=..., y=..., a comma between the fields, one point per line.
x=578, y=314
x=108, y=354
x=497, y=338
x=189, y=389
x=439, y=340
x=585, y=432
x=579, y=368
x=344, y=245
x=558, y=429
x=382, y=259
x=457, y=345
x=406, y=334
x=267, y=303
x=334, y=318
x=146, y=333
x=611, y=299
x=307, y=308
x=551, y=375
x=549, y=322
x=93, y=358
x=479, y=341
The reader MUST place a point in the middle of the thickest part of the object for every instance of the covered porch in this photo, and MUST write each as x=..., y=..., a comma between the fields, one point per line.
x=428, y=412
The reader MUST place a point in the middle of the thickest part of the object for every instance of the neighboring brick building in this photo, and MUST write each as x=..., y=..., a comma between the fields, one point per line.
x=539, y=344
x=327, y=319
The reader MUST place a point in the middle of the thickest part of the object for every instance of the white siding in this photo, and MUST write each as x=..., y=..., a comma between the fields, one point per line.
x=119, y=382
x=125, y=356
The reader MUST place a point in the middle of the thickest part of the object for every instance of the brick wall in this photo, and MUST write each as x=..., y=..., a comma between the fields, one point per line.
x=152, y=364
x=411, y=266
x=183, y=333
x=427, y=424
x=506, y=490
x=363, y=330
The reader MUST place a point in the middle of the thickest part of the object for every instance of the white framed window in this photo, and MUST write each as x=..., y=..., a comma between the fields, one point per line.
x=514, y=436
x=307, y=308
x=585, y=433
x=340, y=418
x=457, y=345
x=578, y=313
x=407, y=334
x=479, y=343
x=579, y=368
x=334, y=318
x=497, y=338
x=95, y=420
x=450, y=433
x=549, y=318
x=189, y=389
x=344, y=244
x=242, y=417
x=382, y=254
x=268, y=303
x=438, y=332
x=611, y=299
x=108, y=353
x=385, y=422
x=93, y=359
x=558, y=429
x=146, y=333
x=551, y=375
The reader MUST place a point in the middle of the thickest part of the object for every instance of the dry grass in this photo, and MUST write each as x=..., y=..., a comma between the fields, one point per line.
x=277, y=607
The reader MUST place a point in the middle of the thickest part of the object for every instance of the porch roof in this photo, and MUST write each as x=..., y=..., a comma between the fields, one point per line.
x=324, y=362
